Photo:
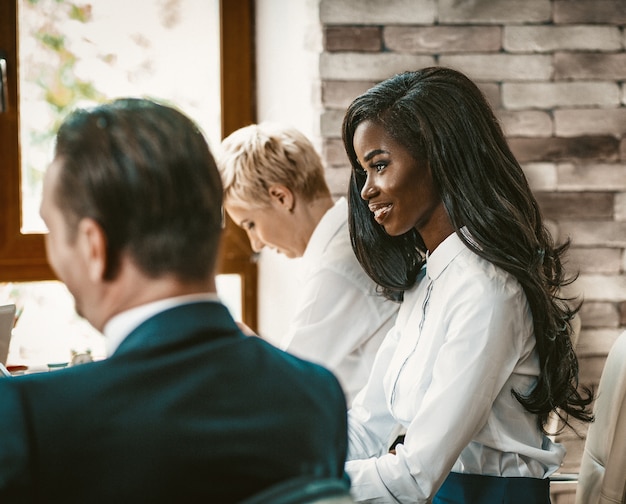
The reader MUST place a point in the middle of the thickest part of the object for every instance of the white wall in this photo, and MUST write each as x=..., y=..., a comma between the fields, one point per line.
x=289, y=41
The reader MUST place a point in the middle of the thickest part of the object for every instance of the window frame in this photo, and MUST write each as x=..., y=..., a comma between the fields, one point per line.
x=23, y=256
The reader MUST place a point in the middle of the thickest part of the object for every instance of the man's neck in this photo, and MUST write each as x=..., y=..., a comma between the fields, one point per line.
x=131, y=288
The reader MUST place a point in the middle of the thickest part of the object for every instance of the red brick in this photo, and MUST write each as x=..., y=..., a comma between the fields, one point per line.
x=526, y=123
x=590, y=121
x=599, y=314
x=596, y=343
x=594, y=234
x=622, y=313
x=339, y=94
x=490, y=11
x=369, y=66
x=353, y=38
x=491, y=90
x=442, y=39
x=599, y=148
x=338, y=179
x=334, y=152
x=540, y=176
x=591, y=176
x=501, y=66
x=567, y=38
x=603, y=260
x=602, y=287
x=620, y=206
x=591, y=66
x=576, y=205
x=378, y=12
x=548, y=95
x=330, y=123
x=590, y=11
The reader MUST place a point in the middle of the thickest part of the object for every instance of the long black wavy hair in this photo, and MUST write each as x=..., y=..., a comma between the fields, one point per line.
x=442, y=118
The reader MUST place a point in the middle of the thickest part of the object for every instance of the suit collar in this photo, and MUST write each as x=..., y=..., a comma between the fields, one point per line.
x=121, y=325
x=178, y=322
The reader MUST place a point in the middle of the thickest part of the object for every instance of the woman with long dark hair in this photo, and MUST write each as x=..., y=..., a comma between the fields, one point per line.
x=442, y=216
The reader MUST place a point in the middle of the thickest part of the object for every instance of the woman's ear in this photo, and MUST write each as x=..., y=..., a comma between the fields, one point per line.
x=282, y=197
x=93, y=248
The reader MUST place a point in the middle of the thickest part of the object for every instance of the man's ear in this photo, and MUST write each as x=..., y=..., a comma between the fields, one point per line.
x=282, y=197
x=92, y=243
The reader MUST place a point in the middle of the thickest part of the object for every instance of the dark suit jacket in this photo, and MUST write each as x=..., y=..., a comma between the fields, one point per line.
x=188, y=409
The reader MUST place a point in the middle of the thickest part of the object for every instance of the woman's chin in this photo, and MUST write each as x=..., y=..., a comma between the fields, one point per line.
x=392, y=230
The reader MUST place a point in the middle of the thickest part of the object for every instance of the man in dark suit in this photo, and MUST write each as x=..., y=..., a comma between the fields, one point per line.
x=185, y=408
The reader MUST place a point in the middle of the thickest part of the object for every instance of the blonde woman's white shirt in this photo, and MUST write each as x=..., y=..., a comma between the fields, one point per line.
x=462, y=341
x=340, y=319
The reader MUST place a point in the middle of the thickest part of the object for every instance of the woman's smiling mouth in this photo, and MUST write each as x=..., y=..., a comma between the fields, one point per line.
x=380, y=211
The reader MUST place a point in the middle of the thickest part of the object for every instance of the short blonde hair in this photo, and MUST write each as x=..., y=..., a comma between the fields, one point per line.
x=257, y=156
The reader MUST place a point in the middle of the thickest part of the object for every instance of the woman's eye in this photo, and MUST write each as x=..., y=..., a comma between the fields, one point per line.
x=380, y=166
x=249, y=226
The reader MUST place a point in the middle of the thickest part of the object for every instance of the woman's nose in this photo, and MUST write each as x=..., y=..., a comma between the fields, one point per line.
x=368, y=190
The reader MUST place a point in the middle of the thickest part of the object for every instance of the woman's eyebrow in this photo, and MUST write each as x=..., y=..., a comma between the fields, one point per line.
x=373, y=153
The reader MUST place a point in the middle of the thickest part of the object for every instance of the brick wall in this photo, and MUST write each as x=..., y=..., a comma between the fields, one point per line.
x=554, y=70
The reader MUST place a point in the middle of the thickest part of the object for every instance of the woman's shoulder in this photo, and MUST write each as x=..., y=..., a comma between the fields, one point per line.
x=476, y=276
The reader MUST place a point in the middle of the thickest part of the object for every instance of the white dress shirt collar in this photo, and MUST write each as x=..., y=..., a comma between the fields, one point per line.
x=443, y=255
x=328, y=226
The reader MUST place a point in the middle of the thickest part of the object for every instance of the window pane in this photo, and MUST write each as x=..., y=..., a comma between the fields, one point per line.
x=76, y=53
x=48, y=329
x=79, y=53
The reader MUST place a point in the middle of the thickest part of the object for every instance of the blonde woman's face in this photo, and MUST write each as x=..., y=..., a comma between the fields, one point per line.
x=269, y=226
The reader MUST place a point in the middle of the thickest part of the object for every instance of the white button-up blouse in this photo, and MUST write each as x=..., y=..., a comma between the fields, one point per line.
x=340, y=319
x=463, y=340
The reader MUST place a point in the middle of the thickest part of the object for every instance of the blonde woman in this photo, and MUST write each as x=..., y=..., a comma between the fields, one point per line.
x=274, y=188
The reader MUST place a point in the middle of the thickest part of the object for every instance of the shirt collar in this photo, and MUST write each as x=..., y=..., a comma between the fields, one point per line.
x=443, y=255
x=327, y=227
x=122, y=324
